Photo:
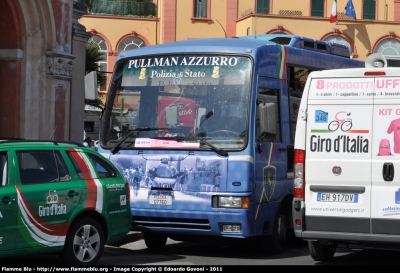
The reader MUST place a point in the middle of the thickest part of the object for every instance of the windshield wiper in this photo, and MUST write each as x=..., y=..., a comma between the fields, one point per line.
x=116, y=148
x=215, y=149
x=202, y=140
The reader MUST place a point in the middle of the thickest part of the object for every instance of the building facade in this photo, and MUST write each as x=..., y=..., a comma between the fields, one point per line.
x=42, y=68
x=375, y=28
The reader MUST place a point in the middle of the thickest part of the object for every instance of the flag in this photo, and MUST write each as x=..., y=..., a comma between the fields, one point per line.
x=350, y=9
x=333, y=17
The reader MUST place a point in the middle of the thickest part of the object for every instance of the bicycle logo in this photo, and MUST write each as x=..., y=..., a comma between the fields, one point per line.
x=52, y=197
x=342, y=120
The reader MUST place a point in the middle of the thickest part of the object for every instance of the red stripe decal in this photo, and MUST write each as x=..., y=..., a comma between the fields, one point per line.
x=50, y=229
x=83, y=164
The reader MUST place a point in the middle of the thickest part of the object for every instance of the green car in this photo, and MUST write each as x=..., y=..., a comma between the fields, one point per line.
x=60, y=197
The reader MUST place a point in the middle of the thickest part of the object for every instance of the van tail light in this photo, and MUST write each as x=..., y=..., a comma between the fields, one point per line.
x=375, y=73
x=128, y=191
x=299, y=180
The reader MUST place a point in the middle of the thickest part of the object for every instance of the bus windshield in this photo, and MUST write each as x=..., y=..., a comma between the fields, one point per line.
x=183, y=98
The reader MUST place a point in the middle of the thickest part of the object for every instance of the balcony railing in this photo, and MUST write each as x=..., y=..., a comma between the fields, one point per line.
x=123, y=8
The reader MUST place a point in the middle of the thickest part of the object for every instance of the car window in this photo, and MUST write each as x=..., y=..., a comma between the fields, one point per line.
x=101, y=167
x=4, y=169
x=41, y=167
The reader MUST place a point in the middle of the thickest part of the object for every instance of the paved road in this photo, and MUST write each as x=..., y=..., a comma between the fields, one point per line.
x=185, y=254
x=179, y=253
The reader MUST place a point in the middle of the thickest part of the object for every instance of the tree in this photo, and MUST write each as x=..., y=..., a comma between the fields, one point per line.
x=88, y=5
x=93, y=57
x=131, y=0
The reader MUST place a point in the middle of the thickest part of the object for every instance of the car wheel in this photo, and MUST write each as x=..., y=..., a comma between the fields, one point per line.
x=85, y=242
x=155, y=241
x=273, y=244
x=321, y=252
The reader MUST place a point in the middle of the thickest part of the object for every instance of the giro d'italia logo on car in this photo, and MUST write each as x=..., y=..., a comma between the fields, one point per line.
x=53, y=207
x=52, y=197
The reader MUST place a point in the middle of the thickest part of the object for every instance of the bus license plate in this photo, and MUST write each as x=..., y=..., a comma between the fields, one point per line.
x=160, y=200
x=337, y=197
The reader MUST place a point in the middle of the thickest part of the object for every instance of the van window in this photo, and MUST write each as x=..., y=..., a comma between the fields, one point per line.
x=41, y=167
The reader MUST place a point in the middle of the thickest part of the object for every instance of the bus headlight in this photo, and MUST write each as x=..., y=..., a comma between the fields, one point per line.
x=232, y=202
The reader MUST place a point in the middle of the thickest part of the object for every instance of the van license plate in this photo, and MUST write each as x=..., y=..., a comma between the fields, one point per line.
x=337, y=197
x=160, y=200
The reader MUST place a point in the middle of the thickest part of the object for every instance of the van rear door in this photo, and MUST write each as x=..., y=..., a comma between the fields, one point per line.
x=338, y=154
x=385, y=199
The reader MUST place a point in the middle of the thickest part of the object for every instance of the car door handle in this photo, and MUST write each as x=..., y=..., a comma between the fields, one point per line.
x=388, y=171
x=7, y=200
x=73, y=194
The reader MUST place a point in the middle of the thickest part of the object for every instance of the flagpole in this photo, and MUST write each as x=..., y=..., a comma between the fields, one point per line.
x=337, y=13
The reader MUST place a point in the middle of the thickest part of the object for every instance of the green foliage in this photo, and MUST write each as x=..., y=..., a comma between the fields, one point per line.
x=88, y=5
x=138, y=8
x=93, y=56
x=131, y=0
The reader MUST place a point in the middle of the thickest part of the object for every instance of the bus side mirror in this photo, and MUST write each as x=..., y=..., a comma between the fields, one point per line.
x=268, y=118
x=91, y=86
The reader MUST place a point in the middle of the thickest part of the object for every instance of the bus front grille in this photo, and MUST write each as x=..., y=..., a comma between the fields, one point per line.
x=144, y=221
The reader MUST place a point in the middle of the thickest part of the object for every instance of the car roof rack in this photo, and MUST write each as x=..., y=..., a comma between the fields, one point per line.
x=56, y=142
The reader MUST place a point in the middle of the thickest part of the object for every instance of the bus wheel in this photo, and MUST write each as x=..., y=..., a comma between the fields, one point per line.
x=321, y=252
x=155, y=240
x=273, y=244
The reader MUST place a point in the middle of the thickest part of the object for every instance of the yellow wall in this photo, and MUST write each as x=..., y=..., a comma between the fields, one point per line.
x=302, y=5
x=245, y=7
x=186, y=29
x=244, y=27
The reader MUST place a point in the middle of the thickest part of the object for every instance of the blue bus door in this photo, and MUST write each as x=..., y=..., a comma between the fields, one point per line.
x=271, y=156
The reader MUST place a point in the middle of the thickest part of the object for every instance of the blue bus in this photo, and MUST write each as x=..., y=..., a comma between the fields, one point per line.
x=203, y=130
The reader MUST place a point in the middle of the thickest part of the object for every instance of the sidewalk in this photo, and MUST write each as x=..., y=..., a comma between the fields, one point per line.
x=131, y=237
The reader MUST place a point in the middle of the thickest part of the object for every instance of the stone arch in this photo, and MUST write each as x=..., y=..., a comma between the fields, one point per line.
x=38, y=39
x=337, y=32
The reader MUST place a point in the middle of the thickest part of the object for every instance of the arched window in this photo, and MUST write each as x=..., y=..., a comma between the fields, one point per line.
x=130, y=43
x=103, y=63
x=390, y=48
x=338, y=40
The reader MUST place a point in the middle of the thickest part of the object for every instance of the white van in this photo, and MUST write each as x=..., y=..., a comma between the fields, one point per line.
x=347, y=150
